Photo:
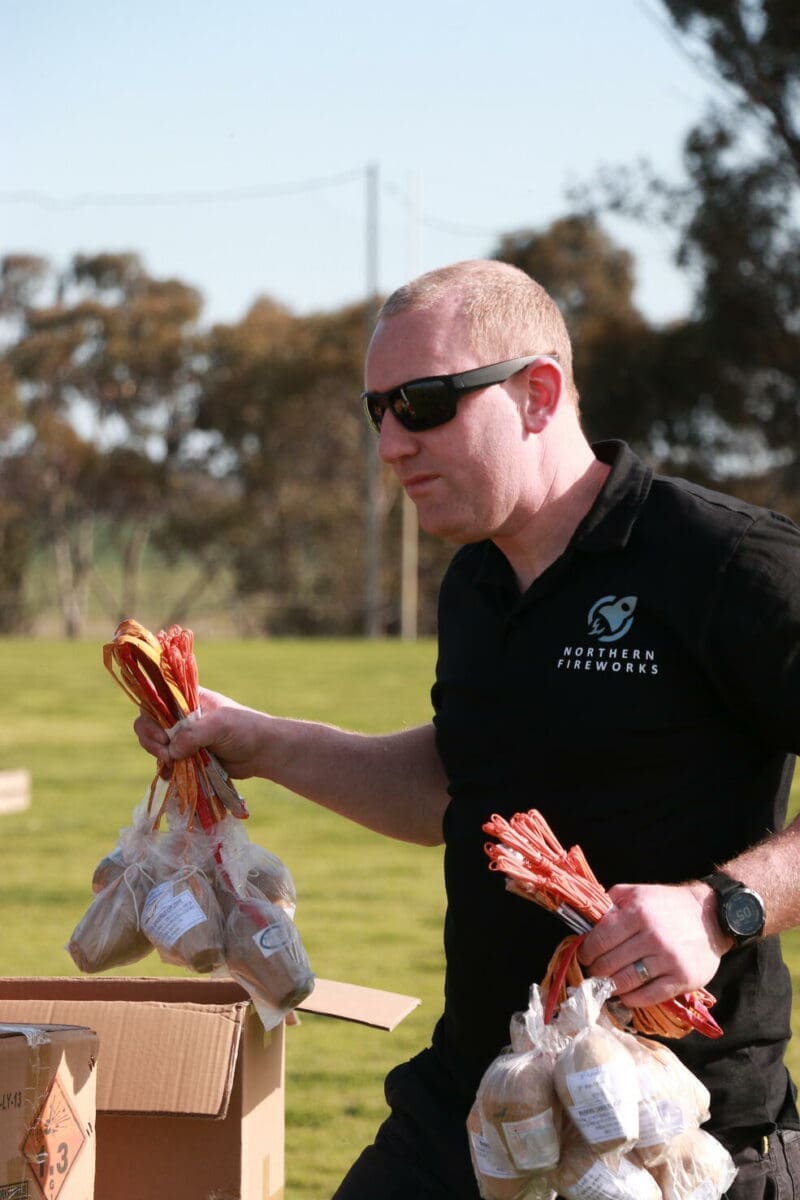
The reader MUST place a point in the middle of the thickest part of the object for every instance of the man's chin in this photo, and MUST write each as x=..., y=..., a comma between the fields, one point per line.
x=445, y=530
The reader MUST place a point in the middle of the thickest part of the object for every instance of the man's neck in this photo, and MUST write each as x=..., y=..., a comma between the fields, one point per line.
x=547, y=534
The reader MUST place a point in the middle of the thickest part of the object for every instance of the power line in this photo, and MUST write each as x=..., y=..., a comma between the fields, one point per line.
x=188, y=197
x=436, y=223
x=221, y=196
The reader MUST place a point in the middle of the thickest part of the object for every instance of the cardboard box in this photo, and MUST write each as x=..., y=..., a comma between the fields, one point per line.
x=47, y=1112
x=189, y=1086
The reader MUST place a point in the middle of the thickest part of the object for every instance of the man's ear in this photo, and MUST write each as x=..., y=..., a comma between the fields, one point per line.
x=545, y=387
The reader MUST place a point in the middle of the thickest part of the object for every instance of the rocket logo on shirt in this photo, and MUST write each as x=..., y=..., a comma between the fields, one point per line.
x=608, y=620
x=611, y=617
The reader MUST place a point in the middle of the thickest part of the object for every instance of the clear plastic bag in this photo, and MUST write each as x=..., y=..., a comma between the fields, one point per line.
x=517, y=1099
x=183, y=922
x=244, y=868
x=583, y=1174
x=517, y=1093
x=495, y=1173
x=695, y=1167
x=109, y=933
x=595, y=1076
x=672, y=1100
x=264, y=953
x=515, y=1124
x=627, y=1112
x=208, y=899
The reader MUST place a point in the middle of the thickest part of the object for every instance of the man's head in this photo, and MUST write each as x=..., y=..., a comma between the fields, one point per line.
x=485, y=466
x=506, y=313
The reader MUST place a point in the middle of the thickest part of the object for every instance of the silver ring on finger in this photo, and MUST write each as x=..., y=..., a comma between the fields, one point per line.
x=641, y=970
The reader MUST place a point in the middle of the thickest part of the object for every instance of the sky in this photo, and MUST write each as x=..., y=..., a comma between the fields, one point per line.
x=231, y=145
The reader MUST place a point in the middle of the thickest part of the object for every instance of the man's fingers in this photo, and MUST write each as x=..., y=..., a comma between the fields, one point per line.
x=635, y=977
x=608, y=935
x=151, y=736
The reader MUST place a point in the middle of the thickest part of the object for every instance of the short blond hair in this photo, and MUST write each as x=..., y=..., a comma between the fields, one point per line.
x=508, y=313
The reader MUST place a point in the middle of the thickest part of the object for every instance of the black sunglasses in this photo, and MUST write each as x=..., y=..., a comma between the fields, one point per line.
x=423, y=404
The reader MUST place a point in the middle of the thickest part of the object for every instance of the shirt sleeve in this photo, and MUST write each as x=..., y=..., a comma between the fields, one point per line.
x=752, y=631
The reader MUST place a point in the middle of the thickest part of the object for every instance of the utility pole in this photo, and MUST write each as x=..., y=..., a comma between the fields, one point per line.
x=373, y=598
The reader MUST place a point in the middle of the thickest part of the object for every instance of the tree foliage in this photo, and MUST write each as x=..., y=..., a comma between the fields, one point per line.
x=278, y=394
x=717, y=396
x=105, y=360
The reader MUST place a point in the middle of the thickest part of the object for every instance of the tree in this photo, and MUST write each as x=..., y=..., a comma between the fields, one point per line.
x=720, y=393
x=280, y=392
x=110, y=362
x=15, y=531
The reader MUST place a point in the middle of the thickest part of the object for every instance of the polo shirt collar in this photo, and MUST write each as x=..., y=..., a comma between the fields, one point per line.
x=610, y=520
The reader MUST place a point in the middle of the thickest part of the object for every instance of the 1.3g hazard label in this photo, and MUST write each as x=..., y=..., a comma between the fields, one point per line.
x=53, y=1141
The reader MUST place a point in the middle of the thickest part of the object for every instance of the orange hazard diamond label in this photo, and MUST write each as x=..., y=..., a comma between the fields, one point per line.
x=53, y=1141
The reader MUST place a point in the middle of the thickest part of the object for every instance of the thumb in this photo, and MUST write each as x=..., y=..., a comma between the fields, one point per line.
x=187, y=736
x=620, y=892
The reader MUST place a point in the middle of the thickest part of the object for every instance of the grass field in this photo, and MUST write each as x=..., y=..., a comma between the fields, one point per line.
x=370, y=910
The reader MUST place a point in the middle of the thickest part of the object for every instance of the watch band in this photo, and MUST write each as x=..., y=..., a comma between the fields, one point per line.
x=722, y=883
x=740, y=909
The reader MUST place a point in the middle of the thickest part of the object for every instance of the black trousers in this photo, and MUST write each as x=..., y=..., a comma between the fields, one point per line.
x=769, y=1169
x=421, y=1153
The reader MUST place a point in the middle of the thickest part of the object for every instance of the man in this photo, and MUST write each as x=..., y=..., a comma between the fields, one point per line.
x=618, y=650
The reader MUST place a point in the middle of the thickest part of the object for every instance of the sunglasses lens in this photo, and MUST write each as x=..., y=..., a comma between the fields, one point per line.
x=421, y=405
x=424, y=405
x=375, y=411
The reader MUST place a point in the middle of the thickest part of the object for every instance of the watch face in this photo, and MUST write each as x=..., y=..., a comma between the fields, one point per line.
x=744, y=913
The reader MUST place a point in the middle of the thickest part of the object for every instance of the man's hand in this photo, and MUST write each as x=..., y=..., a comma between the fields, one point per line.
x=672, y=930
x=236, y=735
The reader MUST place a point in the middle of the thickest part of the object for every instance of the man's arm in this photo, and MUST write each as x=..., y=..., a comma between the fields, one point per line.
x=392, y=783
x=675, y=931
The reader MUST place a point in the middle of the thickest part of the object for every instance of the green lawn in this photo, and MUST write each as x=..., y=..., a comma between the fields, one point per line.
x=370, y=910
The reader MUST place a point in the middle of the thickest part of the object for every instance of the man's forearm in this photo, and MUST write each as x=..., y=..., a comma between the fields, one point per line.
x=392, y=783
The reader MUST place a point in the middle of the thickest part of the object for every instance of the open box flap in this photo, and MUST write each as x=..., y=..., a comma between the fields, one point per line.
x=351, y=1002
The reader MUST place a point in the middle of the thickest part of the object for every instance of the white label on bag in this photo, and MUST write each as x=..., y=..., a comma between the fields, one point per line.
x=601, y=1183
x=659, y=1120
x=490, y=1154
x=606, y=1102
x=167, y=917
x=533, y=1144
x=271, y=939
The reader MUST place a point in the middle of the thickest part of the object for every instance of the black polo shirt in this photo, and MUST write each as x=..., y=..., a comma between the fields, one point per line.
x=644, y=694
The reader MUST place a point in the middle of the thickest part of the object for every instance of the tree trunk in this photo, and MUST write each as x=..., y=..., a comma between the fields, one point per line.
x=132, y=554
x=180, y=608
x=73, y=555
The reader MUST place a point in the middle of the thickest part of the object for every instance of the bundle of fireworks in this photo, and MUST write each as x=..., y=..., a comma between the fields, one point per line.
x=538, y=868
x=579, y=1108
x=184, y=878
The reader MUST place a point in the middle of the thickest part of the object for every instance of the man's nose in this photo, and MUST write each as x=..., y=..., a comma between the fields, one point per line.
x=395, y=441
